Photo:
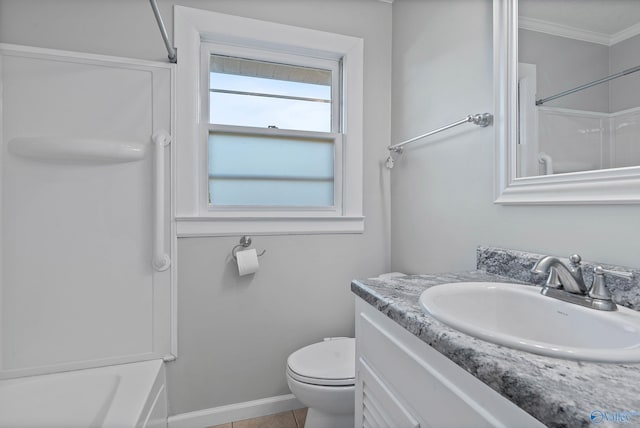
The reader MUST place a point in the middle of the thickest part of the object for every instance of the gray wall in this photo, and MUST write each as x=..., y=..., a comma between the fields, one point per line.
x=563, y=64
x=442, y=199
x=625, y=91
x=235, y=333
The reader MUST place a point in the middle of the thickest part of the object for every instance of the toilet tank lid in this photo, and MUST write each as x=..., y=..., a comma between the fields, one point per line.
x=331, y=359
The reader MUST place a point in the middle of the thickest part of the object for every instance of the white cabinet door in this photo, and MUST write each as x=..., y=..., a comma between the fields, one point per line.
x=378, y=404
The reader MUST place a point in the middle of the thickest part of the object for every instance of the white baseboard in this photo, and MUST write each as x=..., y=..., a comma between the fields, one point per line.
x=235, y=412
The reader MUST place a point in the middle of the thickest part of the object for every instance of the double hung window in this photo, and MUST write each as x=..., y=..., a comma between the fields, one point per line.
x=269, y=127
x=273, y=124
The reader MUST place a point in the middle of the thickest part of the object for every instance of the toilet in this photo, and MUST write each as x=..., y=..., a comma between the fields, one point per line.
x=322, y=377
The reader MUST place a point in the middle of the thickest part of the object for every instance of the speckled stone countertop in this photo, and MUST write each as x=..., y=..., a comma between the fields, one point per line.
x=557, y=392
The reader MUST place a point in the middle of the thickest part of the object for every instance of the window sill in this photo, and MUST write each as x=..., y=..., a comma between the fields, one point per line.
x=217, y=226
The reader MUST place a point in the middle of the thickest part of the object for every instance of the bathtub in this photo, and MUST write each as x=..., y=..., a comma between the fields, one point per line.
x=120, y=396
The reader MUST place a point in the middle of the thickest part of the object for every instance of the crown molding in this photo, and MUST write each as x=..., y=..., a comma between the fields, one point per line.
x=625, y=34
x=563, y=30
x=576, y=33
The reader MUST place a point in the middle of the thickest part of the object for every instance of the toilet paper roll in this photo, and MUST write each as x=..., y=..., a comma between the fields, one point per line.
x=247, y=262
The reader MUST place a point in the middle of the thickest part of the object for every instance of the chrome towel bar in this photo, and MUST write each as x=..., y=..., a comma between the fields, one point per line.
x=483, y=119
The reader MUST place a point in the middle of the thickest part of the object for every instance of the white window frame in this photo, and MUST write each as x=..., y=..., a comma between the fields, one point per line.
x=195, y=31
x=208, y=49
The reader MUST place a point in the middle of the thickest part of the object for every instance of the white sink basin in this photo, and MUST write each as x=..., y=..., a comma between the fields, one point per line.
x=518, y=316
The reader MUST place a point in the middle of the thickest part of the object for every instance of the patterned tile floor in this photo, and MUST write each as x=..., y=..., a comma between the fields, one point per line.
x=291, y=419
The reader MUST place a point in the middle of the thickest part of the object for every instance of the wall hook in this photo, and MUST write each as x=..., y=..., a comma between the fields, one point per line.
x=245, y=242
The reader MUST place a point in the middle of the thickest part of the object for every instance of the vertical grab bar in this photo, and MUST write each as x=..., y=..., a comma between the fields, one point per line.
x=161, y=260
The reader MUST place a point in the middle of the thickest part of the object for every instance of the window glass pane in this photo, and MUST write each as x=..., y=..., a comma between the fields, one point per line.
x=253, y=93
x=230, y=82
x=271, y=193
x=274, y=171
x=262, y=112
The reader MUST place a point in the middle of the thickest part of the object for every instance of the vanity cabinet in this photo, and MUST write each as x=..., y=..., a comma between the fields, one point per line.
x=403, y=382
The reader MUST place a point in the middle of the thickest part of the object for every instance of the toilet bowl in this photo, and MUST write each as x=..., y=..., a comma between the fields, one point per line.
x=322, y=377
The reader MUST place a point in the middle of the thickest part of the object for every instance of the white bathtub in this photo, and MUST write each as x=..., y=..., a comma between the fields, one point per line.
x=121, y=396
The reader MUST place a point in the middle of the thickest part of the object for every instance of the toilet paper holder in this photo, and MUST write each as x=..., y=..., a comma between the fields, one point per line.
x=245, y=242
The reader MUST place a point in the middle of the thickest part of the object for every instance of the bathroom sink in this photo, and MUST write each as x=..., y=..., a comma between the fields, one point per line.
x=518, y=316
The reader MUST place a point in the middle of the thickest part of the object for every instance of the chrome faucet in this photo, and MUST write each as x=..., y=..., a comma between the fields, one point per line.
x=568, y=276
x=566, y=283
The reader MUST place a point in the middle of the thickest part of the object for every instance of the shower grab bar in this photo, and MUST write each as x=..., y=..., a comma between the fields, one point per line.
x=163, y=32
x=161, y=260
x=482, y=120
x=590, y=84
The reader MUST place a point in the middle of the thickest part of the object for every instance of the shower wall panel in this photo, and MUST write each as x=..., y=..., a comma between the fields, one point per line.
x=77, y=285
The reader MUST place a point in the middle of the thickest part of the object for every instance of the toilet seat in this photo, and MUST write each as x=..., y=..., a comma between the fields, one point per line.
x=328, y=363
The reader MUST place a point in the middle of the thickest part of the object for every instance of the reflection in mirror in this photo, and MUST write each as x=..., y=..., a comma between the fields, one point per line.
x=578, y=86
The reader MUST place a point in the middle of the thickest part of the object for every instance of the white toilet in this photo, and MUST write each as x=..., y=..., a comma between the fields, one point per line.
x=322, y=377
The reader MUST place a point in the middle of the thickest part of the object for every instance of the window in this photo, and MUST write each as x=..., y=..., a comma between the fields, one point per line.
x=272, y=129
x=247, y=92
x=269, y=134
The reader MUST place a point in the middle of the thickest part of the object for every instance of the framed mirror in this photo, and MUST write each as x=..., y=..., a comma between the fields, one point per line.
x=567, y=101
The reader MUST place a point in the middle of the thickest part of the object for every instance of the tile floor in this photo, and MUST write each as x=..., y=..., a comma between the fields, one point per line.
x=291, y=419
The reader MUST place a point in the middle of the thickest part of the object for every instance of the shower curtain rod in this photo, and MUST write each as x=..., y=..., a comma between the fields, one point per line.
x=588, y=85
x=163, y=31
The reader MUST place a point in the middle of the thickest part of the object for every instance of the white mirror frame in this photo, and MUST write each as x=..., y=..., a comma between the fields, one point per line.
x=607, y=186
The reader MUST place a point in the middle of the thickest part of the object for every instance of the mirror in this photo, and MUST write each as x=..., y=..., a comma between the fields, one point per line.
x=567, y=81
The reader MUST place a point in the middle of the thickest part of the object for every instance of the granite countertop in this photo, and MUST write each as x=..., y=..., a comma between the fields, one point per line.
x=557, y=392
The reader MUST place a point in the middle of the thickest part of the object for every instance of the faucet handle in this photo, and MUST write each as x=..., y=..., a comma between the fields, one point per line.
x=599, y=288
x=575, y=259
x=618, y=273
